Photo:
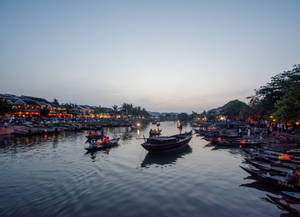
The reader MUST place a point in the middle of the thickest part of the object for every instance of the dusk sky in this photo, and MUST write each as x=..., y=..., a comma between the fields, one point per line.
x=161, y=55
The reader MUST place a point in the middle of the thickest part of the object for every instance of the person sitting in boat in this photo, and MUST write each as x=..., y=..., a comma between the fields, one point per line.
x=293, y=176
x=105, y=140
x=90, y=134
x=92, y=144
x=96, y=133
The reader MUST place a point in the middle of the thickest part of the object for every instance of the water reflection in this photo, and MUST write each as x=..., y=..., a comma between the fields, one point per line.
x=165, y=158
x=94, y=154
x=23, y=143
x=261, y=186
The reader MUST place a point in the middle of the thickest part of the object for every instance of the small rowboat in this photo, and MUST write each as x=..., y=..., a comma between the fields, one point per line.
x=269, y=168
x=278, y=180
x=95, y=147
x=290, y=205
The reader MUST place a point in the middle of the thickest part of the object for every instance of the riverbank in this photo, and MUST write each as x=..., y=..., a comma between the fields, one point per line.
x=48, y=127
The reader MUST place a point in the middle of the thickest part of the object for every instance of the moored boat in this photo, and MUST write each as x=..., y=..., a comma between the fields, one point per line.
x=274, y=179
x=290, y=205
x=268, y=167
x=292, y=195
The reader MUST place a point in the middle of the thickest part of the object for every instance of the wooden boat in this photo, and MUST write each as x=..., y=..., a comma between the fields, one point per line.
x=167, y=143
x=273, y=158
x=289, y=205
x=292, y=195
x=274, y=179
x=112, y=143
x=234, y=142
x=272, y=153
x=269, y=168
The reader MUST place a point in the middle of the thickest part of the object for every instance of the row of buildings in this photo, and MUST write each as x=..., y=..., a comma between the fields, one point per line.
x=28, y=106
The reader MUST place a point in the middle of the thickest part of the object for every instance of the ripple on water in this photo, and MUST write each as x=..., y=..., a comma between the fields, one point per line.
x=55, y=177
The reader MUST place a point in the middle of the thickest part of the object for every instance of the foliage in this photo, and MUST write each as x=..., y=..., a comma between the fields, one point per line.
x=211, y=115
x=288, y=107
x=129, y=109
x=264, y=102
x=55, y=102
x=194, y=115
x=233, y=109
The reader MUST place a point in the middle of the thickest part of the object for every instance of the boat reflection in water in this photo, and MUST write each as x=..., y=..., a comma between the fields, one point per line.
x=261, y=186
x=164, y=159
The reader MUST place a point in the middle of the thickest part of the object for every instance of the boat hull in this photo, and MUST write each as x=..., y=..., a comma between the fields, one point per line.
x=167, y=147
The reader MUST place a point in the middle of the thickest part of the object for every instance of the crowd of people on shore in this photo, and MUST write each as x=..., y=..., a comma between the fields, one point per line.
x=259, y=128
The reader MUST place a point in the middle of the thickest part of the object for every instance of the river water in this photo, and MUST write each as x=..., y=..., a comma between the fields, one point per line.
x=54, y=176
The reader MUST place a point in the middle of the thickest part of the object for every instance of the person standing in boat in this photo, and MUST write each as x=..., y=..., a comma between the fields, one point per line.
x=249, y=132
x=150, y=133
x=240, y=132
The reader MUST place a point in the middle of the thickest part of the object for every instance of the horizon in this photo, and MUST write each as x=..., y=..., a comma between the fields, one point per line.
x=119, y=105
x=169, y=56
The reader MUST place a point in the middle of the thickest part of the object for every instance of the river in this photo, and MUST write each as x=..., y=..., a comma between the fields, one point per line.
x=54, y=176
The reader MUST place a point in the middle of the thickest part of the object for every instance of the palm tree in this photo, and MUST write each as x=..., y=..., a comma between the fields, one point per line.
x=115, y=110
x=55, y=102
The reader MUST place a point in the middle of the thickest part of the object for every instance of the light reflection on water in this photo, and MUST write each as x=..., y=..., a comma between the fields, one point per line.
x=54, y=176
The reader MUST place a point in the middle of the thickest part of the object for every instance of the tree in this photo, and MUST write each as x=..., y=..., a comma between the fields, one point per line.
x=183, y=117
x=211, y=115
x=55, y=102
x=288, y=107
x=266, y=97
x=233, y=109
x=115, y=109
x=194, y=115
